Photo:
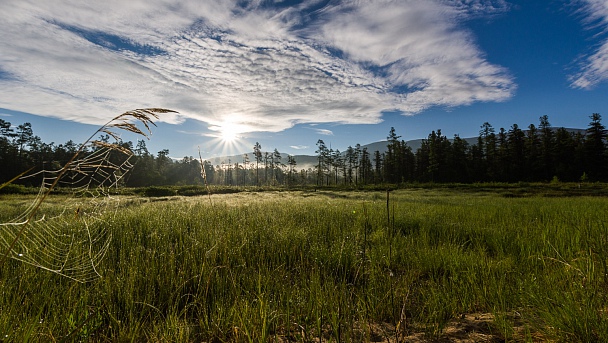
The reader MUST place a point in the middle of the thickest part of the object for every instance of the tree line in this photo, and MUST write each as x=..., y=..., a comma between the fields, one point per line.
x=537, y=154
x=540, y=153
x=22, y=150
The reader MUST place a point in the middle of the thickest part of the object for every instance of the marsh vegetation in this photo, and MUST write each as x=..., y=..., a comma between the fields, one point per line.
x=327, y=265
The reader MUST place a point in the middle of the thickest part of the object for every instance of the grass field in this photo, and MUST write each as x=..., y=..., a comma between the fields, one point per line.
x=328, y=265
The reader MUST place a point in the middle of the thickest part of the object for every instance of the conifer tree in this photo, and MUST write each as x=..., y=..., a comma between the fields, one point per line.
x=547, y=141
x=257, y=153
x=595, y=149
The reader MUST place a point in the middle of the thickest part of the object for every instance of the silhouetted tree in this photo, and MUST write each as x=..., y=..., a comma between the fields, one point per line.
x=457, y=161
x=532, y=147
x=516, y=154
x=547, y=146
x=595, y=149
x=566, y=168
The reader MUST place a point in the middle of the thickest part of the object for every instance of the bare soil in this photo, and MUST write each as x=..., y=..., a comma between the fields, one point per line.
x=467, y=328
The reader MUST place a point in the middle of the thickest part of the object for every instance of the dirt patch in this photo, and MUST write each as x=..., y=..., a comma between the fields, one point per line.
x=471, y=328
x=467, y=328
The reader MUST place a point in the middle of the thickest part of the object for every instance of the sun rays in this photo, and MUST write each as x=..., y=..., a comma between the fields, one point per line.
x=228, y=135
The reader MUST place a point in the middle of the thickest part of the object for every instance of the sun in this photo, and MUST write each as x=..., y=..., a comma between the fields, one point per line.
x=229, y=136
x=228, y=133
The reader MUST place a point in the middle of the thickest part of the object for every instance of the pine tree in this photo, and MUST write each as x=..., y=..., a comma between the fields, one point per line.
x=532, y=154
x=457, y=160
x=378, y=167
x=547, y=141
x=291, y=161
x=257, y=153
x=23, y=136
x=365, y=167
x=565, y=162
x=595, y=149
x=350, y=161
x=516, y=154
x=391, y=160
x=322, y=153
x=489, y=153
x=278, y=165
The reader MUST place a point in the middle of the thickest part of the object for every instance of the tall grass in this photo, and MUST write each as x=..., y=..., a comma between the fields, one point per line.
x=328, y=266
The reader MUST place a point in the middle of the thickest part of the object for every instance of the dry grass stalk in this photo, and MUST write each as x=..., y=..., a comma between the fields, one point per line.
x=96, y=167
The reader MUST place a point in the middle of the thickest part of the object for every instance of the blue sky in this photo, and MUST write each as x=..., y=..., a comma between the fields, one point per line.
x=287, y=73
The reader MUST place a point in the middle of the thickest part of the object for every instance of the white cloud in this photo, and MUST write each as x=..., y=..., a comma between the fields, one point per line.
x=324, y=132
x=421, y=48
x=299, y=147
x=479, y=7
x=268, y=68
x=594, y=68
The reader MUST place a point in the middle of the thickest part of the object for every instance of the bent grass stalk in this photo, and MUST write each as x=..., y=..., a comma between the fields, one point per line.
x=121, y=122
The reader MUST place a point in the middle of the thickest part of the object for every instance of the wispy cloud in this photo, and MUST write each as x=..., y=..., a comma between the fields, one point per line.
x=594, y=67
x=324, y=132
x=299, y=147
x=269, y=67
x=3, y=114
x=475, y=8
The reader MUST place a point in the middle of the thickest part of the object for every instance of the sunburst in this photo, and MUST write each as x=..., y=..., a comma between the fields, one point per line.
x=228, y=133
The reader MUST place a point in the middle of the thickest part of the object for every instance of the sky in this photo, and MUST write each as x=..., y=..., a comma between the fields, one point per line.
x=286, y=73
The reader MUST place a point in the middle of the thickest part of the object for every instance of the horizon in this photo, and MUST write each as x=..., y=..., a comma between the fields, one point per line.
x=415, y=146
x=287, y=73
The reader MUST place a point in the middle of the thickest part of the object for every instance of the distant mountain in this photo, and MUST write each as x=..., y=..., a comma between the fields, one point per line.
x=302, y=161
x=416, y=143
x=308, y=161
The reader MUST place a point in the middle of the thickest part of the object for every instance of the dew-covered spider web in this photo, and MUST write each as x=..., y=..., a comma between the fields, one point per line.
x=67, y=228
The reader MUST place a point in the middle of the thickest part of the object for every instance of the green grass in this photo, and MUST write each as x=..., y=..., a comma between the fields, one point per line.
x=256, y=266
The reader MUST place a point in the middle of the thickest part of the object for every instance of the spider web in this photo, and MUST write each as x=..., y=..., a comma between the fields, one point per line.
x=70, y=232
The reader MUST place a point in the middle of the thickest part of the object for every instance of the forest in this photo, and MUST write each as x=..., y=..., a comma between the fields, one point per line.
x=534, y=154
